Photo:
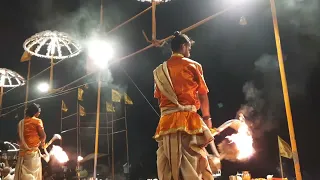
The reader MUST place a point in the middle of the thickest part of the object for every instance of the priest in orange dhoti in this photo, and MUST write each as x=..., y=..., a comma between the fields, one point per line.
x=182, y=133
x=31, y=137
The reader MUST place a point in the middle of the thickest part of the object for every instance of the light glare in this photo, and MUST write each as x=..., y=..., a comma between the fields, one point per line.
x=43, y=87
x=100, y=52
x=80, y=158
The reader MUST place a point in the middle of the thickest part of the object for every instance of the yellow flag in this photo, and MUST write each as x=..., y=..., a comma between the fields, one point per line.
x=116, y=96
x=284, y=149
x=109, y=107
x=80, y=94
x=127, y=99
x=64, y=107
x=26, y=56
x=82, y=111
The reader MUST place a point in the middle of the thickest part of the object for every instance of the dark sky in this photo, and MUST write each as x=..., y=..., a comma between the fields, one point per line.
x=239, y=63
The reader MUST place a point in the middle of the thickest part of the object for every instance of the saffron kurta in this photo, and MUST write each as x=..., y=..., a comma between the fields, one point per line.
x=181, y=133
x=29, y=161
x=31, y=135
x=188, y=81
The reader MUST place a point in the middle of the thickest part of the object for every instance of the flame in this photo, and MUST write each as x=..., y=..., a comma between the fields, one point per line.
x=59, y=154
x=243, y=141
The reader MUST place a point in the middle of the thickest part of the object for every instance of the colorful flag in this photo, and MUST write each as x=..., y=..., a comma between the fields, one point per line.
x=64, y=107
x=82, y=111
x=26, y=56
x=109, y=107
x=127, y=99
x=116, y=96
x=80, y=94
x=284, y=149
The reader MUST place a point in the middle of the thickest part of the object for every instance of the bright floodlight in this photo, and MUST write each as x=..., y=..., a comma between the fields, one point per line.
x=52, y=44
x=100, y=52
x=10, y=78
x=43, y=87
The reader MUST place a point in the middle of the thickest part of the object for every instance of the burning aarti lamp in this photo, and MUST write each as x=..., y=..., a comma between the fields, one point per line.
x=52, y=45
x=236, y=147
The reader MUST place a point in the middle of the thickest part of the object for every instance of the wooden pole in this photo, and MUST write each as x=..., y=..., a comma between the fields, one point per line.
x=27, y=85
x=96, y=146
x=285, y=92
x=51, y=73
x=108, y=140
x=280, y=160
x=127, y=140
x=1, y=96
x=61, y=113
x=112, y=145
x=77, y=128
x=154, y=21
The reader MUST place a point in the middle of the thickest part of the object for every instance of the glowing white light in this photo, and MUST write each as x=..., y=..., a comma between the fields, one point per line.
x=100, y=52
x=59, y=154
x=244, y=141
x=43, y=87
x=80, y=158
x=10, y=78
x=59, y=45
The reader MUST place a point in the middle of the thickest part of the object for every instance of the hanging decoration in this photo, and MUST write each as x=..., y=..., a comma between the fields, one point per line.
x=52, y=44
x=9, y=78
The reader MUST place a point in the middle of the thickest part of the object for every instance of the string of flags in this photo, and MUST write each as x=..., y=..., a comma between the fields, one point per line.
x=116, y=96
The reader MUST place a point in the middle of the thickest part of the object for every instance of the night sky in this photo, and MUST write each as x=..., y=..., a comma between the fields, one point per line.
x=239, y=63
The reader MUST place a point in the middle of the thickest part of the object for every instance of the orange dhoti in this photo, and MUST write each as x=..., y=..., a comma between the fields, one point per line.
x=181, y=154
x=181, y=133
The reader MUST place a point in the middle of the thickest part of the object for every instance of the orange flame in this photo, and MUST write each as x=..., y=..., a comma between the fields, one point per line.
x=243, y=141
x=59, y=154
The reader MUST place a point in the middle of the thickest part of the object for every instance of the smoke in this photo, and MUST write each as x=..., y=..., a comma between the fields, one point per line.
x=78, y=23
x=257, y=111
x=264, y=105
x=300, y=15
